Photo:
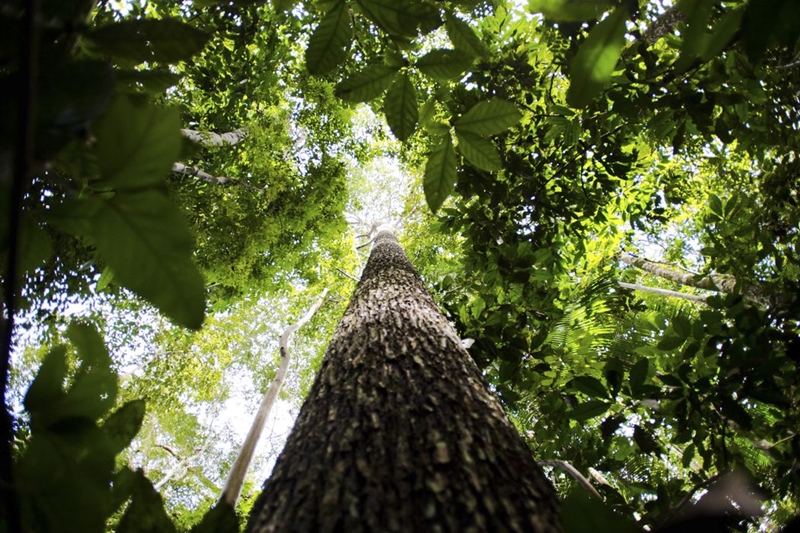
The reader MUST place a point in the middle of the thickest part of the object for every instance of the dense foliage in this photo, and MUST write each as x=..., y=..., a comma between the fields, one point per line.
x=563, y=162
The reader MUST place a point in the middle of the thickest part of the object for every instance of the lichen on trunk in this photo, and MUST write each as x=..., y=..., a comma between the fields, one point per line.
x=399, y=431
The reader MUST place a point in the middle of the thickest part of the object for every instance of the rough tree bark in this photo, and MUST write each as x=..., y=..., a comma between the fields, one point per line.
x=399, y=431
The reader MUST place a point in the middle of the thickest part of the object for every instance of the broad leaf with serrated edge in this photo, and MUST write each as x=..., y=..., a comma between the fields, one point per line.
x=464, y=37
x=440, y=173
x=401, y=108
x=593, y=65
x=443, y=64
x=143, y=238
x=395, y=17
x=479, y=151
x=137, y=143
x=367, y=84
x=489, y=117
x=328, y=45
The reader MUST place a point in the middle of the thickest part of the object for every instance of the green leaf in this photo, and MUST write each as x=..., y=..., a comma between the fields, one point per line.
x=646, y=442
x=123, y=425
x=639, y=375
x=219, y=519
x=715, y=204
x=489, y=117
x=146, y=511
x=401, y=108
x=140, y=40
x=590, y=386
x=440, y=173
x=569, y=10
x=723, y=32
x=94, y=388
x=682, y=326
x=593, y=65
x=48, y=385
x=367, y=84
x=154, y=81
x=671, y=342
x=399, y=17
x=463, y=37
x=144, y=239
x=478, y=305
x=137, y=143
x=479, y=151
x=329, y=43
x=583, y=513
x=590, y=409
x=443, y=64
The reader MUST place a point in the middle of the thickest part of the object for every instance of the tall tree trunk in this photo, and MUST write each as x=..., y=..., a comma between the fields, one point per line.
x=399, y=431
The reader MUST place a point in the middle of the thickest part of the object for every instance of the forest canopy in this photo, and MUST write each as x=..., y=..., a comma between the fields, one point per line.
x=603, y=197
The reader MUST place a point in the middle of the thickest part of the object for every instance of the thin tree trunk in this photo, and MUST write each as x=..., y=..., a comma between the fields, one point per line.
x=399, y=431
x=711, y=282
x=233, y=485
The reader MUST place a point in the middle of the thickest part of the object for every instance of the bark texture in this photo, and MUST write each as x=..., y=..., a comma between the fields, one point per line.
x=399, y=432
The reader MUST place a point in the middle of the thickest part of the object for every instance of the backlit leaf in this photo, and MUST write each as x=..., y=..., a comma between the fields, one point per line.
x=137, y=143
x=367, y=84
x=589, y=385
x=123, y=425
x=440, y=173
x=479, y=151
x=443, y=64
x=489, y=117
x=463, y=37
x=328, y=45
x=593, y=65
x=401, y=108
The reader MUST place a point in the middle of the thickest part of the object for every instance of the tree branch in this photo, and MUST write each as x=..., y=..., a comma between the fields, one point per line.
x=572, y=471
x=180, y=168
x=662, y=292
x=711, y=282
x=233, y=485
x=209, y=138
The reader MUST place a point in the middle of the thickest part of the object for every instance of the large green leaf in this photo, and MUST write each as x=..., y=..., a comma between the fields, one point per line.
x=328, y=45
x=589, y=409
x=590, y=386
x=143, y=238
x=401, y=108
x=440, y=173
x=479, y=151
x=140, y=40
x=593, y=65
x=443, y=64
x=583, y=513
x=137, y=143
x=48, y=385
x=463, y=37
x=489, y=117
x=391, y=16
x=146, y=511
x=367, y=84
x=569, y=10
x=123, y=425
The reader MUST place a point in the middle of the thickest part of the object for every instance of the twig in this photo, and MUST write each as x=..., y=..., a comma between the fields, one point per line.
x=571, y=470
x=342, y=272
